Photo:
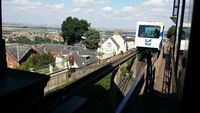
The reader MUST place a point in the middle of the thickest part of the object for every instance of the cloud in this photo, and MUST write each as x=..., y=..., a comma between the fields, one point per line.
x=149, y=10
x=27, y=5
x=6, y=0
x=76, y=10
x=83, y=3
x=21, y=2
x=90, y=10
x=83, y=6
x=127, y=16
x=33, y=12
x=103, y=1
x=58, y=7
x=107, y=9
x=127, y=9
x=95, y=11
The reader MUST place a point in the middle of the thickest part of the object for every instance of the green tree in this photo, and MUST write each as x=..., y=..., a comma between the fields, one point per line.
x=123, y=71
x=39, y=40
x=171, y=31
x=47, y=40
x=73, y=28
x=57, y=42
x=24, y=40
x=10, y=40
x=21, y=39
x=92, y=39
x=38, y=61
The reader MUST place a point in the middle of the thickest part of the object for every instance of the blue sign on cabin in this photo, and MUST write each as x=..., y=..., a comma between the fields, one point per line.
x=148, y=42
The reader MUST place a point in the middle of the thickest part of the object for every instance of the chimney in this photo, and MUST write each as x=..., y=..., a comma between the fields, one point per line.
x=116, y=32
x=61, y=53
x=65, y=45
x=45, y=50
x=34, y=47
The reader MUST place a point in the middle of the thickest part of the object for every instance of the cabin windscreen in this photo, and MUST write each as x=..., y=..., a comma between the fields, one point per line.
x=147, y=31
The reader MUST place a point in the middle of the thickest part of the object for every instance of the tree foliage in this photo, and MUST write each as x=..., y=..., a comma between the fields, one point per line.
x=24, y=40
x=92, y=39
x=39, y=40
x=130, y=63
x=21, y=39
x=38, y=61
x=171, y=31
x=123, y=71
x=73, y=28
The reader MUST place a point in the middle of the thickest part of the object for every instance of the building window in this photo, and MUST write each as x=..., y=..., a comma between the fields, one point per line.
x=10, y=65
x=109, y=45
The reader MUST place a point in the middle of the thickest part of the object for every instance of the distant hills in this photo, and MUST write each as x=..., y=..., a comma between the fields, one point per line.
x=111, y=29
x=57, y=27
x=31, y=26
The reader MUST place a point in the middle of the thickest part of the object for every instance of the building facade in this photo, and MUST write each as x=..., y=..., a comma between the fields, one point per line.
x=113, y=45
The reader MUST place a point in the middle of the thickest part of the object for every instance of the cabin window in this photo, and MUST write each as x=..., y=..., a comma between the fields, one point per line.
x=147, y=31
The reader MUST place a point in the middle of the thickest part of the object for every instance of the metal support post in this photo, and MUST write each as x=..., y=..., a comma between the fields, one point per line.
x=149, y=77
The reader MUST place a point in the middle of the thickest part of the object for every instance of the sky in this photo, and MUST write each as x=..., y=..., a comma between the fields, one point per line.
x=116, y=14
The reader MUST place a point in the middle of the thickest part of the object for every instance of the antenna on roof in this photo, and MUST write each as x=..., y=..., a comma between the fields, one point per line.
x=18, y=52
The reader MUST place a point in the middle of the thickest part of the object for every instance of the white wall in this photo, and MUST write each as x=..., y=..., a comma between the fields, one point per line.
x=120, y=42
x=131, y=44
x=108, y=48
x=60, y=62
x=75, y=65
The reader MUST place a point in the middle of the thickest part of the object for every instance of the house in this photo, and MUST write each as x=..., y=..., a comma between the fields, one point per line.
x=114, y=45
x=82, y=56
x=130, y=41
x=54, y=49
x=75, y=56
x=18, y=54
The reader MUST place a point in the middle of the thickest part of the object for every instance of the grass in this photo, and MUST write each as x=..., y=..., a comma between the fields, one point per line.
x=95, y=95
x=44, y=71
x=105, y=82
x=99, y=89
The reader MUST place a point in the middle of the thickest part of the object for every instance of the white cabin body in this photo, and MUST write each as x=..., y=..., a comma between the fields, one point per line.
x=149, y=35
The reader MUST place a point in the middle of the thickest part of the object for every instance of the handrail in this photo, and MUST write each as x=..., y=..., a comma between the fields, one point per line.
x=125, y=100
x=123, y=103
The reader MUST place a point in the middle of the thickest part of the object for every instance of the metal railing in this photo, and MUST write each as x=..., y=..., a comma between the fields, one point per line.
x=64, y=77
x=61, y=66
x=124, y=102
x=140, y=81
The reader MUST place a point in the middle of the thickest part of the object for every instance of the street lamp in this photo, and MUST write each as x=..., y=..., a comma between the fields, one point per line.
x=83, y=67
x=99, y=56
x=113, y=53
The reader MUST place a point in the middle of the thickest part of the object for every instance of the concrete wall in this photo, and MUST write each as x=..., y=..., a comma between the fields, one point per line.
x=65, y=77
